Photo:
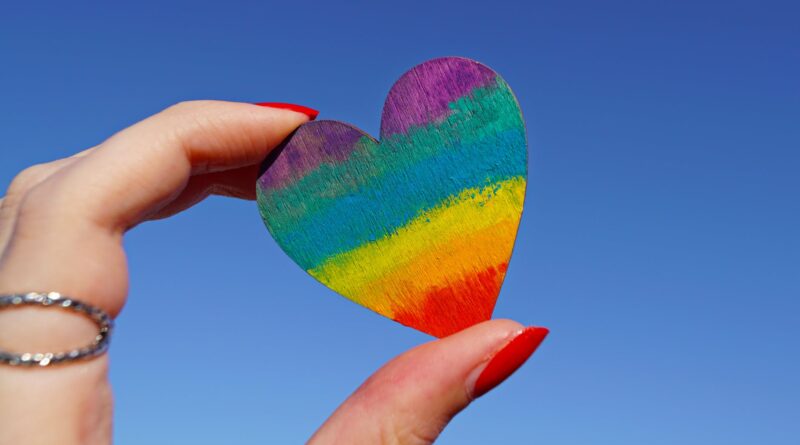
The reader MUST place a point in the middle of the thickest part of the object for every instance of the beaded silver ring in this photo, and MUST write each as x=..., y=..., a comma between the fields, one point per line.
x=55, y=300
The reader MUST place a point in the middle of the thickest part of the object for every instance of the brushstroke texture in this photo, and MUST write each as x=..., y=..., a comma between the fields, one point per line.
x=419, y=227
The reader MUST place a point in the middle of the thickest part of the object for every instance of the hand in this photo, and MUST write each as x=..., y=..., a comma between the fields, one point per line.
x=61, y=229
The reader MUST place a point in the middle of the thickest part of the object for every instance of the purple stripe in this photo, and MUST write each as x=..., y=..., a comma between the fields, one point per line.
x=423, y=95
x=316, y=144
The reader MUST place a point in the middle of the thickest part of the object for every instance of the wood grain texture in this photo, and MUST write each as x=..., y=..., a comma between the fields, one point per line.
x=420, y=226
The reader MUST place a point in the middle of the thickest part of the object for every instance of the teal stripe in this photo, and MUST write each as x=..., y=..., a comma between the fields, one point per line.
x=488, y=110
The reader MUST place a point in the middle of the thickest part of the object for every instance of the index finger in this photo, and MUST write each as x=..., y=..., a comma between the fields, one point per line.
x=142, y=168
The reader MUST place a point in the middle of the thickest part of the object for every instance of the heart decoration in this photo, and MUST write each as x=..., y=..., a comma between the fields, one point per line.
x=420, y=226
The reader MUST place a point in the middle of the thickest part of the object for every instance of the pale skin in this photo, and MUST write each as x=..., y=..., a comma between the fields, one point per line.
x=61, y=229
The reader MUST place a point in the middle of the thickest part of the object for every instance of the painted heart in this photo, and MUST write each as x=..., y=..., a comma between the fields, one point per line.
x=420, y=226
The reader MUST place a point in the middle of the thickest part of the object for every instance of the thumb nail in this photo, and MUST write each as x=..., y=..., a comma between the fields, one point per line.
x=507, y=360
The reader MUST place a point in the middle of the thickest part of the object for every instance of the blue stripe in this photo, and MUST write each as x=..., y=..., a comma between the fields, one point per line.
x=393, y=199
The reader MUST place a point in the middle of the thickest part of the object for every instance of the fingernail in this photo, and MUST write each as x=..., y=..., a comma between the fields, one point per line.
x=310, y=112
x=508, y=359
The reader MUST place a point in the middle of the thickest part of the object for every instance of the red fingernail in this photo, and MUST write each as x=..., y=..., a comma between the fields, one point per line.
x=509, y=359
x=310, y=112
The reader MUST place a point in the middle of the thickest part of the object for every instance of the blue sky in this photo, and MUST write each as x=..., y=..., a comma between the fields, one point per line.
x=659, y=243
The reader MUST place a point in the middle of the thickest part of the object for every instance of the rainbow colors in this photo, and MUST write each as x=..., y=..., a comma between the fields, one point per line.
x=419, y=227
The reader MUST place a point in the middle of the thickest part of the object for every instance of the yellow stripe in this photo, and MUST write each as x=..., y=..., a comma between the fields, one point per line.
x=448, y=265
x=465, y=234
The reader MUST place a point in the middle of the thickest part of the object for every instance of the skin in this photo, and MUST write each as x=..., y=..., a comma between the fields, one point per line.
x=61, y=228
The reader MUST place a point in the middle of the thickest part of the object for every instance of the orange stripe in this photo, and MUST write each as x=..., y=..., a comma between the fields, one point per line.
x=441, y=311
x=448, y=260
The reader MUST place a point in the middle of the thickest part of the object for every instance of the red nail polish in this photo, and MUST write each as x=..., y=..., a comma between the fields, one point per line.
x=310, y=112
x=509, y=359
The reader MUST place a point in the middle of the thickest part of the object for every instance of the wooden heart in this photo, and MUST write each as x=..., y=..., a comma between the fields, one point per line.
x=420, y=226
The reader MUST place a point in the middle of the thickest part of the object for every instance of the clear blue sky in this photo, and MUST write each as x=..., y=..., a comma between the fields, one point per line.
x=659, y=243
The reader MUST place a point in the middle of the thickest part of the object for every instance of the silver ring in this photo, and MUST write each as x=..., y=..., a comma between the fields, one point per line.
x=55, y=300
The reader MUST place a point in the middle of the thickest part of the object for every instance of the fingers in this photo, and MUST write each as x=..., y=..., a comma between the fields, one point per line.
x=236, y=183
x=63, y=390
x=143, y=168
x=62, y=226
x=413, y=397
x=69, y=226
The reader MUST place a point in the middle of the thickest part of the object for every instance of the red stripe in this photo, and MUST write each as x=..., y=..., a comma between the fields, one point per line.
x=447, y=310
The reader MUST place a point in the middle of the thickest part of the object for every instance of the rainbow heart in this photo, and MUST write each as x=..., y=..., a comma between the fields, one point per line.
x=420, y=226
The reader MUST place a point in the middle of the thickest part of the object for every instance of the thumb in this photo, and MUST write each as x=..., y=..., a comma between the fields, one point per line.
x=412, y=398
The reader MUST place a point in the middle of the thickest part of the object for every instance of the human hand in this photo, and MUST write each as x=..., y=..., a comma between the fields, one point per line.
x=61, y=229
